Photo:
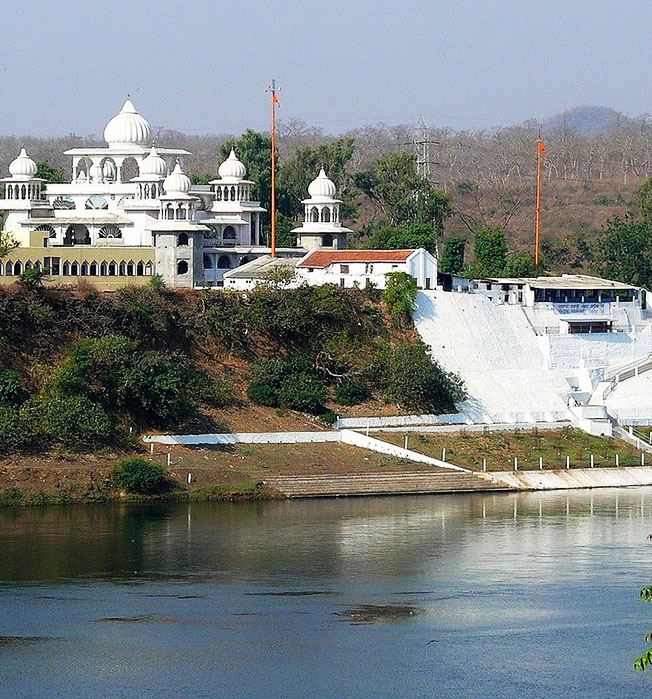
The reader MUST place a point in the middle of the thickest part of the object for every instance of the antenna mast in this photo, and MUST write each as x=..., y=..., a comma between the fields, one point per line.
x=422, y=143
x=272, y=90
x=541, y=149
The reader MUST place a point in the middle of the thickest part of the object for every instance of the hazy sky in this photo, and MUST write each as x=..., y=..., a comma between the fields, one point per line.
x=202, y=66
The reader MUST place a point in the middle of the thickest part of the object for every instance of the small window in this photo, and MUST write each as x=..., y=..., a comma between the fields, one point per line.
x=182, y=267
x=182, y=240
x=344, y=269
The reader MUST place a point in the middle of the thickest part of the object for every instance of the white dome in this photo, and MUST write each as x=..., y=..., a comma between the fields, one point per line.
x=153, y=165
x=23, y=165
x=322, y=187
x=177, y=182
x=232, y=167
x=127, y=128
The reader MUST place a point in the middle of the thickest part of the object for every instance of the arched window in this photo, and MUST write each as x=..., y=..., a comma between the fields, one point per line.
x=182, y=240
x=140, y=269
x=74, y=269
x=18, y=268
x=92, y=271
x=2, y=269
x=314, y=214
x=326, y=215
x=181, y=213
x=218, y=194
x=148, y=269
x=10, y=269
x=224, y=262
x=208, y=262
x=131, y=268
x=84, y=269
x=327, y=241
x=182, y=267
x=28, y=265
x=228, y=236
x=123, y=269
x=146, y=191
x=104, y=269
x=65, y=270
x=113, y=269
x=110, y=231
x=23, y=192
x=38, y=266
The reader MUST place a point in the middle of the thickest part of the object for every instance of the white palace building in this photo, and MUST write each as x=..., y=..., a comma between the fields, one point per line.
x=130, y=211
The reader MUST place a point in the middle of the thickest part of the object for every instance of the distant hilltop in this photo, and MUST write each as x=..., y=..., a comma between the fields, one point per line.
x=587, y=120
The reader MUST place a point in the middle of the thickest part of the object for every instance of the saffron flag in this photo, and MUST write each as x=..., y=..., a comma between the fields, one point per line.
x=274, y=98
x=542, y=148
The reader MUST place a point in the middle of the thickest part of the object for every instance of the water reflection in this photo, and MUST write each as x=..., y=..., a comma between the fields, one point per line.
x=351, y=597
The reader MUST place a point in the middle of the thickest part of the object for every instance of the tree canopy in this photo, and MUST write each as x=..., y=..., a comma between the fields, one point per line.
x=416, y=235
x=401, y=195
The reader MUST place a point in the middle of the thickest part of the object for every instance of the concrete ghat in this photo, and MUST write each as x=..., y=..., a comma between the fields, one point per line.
x=575, y=478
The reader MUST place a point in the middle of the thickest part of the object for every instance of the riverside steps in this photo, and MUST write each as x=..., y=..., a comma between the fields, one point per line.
x=397, y=483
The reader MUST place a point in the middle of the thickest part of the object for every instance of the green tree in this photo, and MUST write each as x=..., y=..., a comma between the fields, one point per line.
x=624, y=252
x=401, y=195
x=521, y=264
x=416, y=235
x=12, y=392
x=400, y=295
x=7, y=244
x=644, y=662
x=32, y=278
x=297, y=173
x=254, y=149
x=490, y=252
x=645, y=199
x=452, y=259
x=48, y=173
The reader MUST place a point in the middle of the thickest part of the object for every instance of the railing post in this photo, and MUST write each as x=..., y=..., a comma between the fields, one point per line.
x=592, y=461
x=617, y=460
x=443, y=454
x=642, y=458
x=541, y=463
x=484, y=464
x=568, y=462
x=516, y=463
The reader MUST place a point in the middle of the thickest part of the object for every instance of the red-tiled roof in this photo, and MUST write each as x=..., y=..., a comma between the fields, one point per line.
x=324, y=258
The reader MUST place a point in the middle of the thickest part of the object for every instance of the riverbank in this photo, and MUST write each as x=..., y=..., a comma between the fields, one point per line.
x=266, y=471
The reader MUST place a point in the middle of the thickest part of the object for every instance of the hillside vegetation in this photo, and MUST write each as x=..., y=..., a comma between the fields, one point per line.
x=80, y=369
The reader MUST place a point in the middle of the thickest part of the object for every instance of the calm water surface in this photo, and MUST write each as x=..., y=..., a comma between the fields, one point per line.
x=531, y=595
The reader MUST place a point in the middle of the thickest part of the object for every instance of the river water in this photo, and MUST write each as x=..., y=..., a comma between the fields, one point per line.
x=483, y=595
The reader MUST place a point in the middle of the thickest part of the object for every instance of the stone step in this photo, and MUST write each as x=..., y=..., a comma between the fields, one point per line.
x=317, y=485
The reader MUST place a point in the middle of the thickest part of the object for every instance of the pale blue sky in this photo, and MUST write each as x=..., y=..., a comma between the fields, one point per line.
x=202, y=66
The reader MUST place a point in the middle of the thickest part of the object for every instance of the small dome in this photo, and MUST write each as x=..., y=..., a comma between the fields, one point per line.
x=322, y=186
x=232, y=167
x=22, y=166
x=127, y=128
x=153, y=165
x=177, y=182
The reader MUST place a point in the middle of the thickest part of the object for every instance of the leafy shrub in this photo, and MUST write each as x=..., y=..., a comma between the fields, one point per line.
x=11, y=388
x=400, y=294
x=15, y=433
x=141, y=476
x=263, y=393
x=303, y=392
x=351, y=393
x=74, y=422
x=289, y=383
x=328, y=417
x=414, y=381
x=11, y=496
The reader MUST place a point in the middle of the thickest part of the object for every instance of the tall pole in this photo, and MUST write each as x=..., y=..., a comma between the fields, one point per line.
x=272, y=89
x=541, y=149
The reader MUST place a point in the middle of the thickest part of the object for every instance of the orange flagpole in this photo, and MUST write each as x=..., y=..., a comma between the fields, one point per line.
x=273, y=193
x=541, y=149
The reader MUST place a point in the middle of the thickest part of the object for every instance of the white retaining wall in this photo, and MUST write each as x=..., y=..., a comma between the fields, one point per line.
x=244, y=438
x=576, y=478
x=596, y=350
x=506, y=421
x=361, y=440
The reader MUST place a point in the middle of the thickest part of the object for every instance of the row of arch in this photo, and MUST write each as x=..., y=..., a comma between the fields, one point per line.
x=322, y=214
x=31, y=190
x=177, y=212
x=240, y=192
x=223, y=262
x=84, y=269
